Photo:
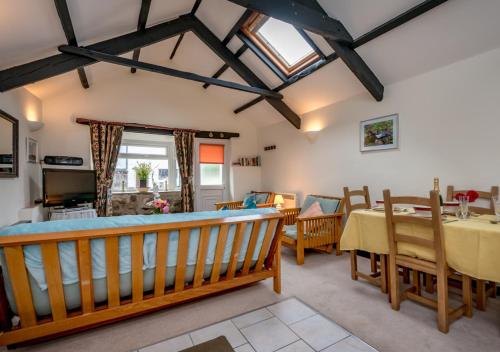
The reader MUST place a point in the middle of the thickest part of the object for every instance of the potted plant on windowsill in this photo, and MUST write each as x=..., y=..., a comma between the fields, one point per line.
x=143, y=171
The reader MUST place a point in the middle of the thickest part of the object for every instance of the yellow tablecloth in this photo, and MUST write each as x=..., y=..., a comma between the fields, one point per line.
x=472, y=246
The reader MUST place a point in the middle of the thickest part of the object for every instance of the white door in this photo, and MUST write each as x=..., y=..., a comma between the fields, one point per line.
x=211, y=179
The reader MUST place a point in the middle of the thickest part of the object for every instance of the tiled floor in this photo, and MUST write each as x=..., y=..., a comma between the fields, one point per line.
x=288, y=326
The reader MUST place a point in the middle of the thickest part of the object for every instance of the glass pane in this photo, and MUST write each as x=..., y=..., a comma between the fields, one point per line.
x=123, y=149
x=159, y=175
x=132, y=149
x=285, y=41
x=211, y=174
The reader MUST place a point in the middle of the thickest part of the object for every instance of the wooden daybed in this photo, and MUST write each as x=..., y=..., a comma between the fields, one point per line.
x=264, y=200
x=241, y=250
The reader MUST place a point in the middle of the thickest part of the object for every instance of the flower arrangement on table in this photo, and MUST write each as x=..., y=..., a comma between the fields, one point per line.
x=471, y=196
x=161, y=206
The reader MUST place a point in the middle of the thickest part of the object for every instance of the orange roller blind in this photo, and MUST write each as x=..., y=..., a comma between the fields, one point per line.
x=211, y=154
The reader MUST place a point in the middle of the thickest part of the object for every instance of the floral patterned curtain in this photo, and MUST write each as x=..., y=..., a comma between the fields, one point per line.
x=105, y=142
x=184, y=144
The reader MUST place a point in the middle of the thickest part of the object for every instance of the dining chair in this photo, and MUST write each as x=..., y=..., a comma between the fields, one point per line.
x=484, y=289
x=421, y=249
x=375, y=277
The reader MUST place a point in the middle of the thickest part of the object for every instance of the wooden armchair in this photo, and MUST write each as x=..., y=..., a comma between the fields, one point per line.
x=484, y=289
x=238, y=204
x=376, y=276
x=319, y=232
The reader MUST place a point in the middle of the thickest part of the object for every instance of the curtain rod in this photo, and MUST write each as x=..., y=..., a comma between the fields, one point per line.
x=138, y=127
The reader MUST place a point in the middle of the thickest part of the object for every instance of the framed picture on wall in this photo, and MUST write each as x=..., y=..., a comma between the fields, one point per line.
x=380, y=133
x=31, y=150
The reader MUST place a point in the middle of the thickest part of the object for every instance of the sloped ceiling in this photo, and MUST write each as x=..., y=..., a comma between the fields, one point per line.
x=453, y=31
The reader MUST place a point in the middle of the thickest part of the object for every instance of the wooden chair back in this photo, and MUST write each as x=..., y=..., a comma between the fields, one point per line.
x=435, y=243
x=349, y=206
x=488, y=196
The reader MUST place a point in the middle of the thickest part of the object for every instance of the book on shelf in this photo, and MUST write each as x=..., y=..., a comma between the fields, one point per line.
x=248, y=161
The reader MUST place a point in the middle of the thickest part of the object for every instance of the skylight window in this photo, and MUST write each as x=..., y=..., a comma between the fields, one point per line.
x=281, y=42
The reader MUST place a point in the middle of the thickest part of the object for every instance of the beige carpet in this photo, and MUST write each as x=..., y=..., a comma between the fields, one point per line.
x=324, y=283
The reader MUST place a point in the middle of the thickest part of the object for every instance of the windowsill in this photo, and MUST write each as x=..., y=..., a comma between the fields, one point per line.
x=148, y=192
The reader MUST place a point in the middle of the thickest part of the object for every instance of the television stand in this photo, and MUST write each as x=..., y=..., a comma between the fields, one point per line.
x=72, y=213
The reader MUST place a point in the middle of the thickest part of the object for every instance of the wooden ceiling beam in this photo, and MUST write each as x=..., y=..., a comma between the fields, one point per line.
x=242, y=70
x=141, y=25
x=117, y=60
x=38, y=70
x=299, y=15
x=397, y=21
x=69, y=32
x=181, y=37
x=234, y=29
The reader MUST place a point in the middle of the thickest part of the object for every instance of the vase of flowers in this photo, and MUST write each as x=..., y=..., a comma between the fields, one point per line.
x=143, y=171
x=463, y=203
x=161, y=206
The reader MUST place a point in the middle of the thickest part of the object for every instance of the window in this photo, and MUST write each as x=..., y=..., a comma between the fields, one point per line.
x=157, y=150
x=281, y=42
x=211, y=164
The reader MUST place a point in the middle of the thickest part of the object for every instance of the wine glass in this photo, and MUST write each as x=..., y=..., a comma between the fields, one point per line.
x=496, y=205
x=463, y=208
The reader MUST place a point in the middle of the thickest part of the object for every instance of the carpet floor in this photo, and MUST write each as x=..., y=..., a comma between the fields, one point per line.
x=324, y=283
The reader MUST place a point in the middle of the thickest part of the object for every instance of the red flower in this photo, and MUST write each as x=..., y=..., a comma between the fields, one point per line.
x=472, y=195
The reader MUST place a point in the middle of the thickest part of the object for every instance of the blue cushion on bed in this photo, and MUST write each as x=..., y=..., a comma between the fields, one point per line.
x=328, y=206
x=261, y=198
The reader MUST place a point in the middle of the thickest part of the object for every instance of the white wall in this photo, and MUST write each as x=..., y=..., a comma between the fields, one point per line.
x=18, y=193
x=449, y=128
x=142, y=98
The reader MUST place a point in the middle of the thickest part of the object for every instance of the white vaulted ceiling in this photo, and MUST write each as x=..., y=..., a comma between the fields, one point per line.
x=455, y=30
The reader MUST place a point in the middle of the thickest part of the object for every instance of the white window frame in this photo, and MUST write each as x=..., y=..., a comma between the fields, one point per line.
x=171, y=156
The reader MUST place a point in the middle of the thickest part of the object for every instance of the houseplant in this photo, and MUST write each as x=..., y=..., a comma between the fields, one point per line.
x=142, y=171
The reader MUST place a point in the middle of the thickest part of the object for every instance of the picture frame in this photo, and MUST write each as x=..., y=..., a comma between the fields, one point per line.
x=32, y=150
x=380, y=133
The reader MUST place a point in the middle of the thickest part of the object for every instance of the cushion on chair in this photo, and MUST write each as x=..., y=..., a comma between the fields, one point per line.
x=313, y=210
x=328, y=206
x=250, y=202
x=261, y=198
x=291, y=231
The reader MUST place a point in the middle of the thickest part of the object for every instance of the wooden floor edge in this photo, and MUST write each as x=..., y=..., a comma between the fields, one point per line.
x=89, y=320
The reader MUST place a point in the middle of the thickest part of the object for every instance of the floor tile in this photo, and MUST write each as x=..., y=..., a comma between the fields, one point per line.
x=244, y=348
x=175, y=344
x=269, y=335
x=291, y=311
x=225, y=328
x=350, y=344
x=299, y=346
x=251, y=318
x=319, y=332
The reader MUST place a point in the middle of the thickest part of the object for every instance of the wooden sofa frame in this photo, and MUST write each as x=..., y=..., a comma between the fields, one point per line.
x=89, y=315
x=238, y=204
x=321, y=232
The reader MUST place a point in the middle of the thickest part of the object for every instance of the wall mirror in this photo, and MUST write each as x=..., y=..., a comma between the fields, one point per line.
x=9, y=146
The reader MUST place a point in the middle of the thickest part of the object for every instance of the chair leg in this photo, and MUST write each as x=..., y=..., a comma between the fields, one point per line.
x=277, y=270
x=354, y=265
x=494, y=290
x=442, y=302
x=394, y=282
x=329, y=249
x=373, y=263
x=416, y=282
x=467, y=295
x=429, y=283
x=481, y=295
x=406, y=275
x=383, y=273
x=300, y=255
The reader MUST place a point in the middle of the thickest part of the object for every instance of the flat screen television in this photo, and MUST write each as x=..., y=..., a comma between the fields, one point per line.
x=68, y=188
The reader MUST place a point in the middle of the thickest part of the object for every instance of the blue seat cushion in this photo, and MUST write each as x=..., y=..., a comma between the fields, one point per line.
x=291, y=231
x=328, y=206
x=250, y=202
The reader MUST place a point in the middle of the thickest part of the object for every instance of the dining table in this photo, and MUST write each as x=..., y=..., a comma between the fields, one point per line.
x=472, y=245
